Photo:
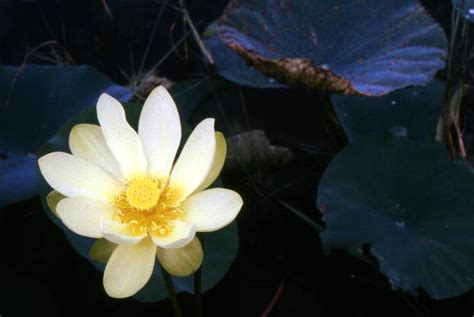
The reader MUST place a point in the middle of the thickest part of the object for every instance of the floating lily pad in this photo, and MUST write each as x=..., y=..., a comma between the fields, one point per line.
x=35, y=101
x=367, y=47
x=220, y=247
x=412, y=111
x=465, y=8
x=412, y=204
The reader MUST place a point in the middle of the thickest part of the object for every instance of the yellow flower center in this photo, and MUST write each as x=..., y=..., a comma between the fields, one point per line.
x=142, y=193
x=148, y=205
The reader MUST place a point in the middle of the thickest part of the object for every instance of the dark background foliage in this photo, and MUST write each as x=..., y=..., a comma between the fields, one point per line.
x=41, y=274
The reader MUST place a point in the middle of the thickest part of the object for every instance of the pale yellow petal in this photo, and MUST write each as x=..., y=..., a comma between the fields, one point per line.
x=160, y=131
x=212, y=209
x=75, y=177
x=195, y=160
x=181, y=262
x=101, y=250
x=181, y=235
x=52, y=199
x=84, y=215
x=87, y=141
x=217, y=163
x=122, y=140
x=129, y=268
x=119, y=233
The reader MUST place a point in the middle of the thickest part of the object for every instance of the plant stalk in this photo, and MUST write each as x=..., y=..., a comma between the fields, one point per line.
x=172, y=293
x=198, y=293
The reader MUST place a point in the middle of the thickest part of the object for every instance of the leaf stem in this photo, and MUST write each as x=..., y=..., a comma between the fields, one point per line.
x=274, y=300
x=198, y=293
x=313, y=224
x=172, y=293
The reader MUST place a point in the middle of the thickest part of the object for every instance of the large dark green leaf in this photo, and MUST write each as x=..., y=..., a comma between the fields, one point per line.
x=414, y=111
x=234, y=68
x=220, y=247
x=18, y=179
x=367, y=47
x=412, y=204
x=35, y=101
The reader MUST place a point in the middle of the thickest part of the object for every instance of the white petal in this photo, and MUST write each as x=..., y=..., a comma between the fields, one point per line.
x=101, y=250
x=212, y=209
x=217, y=163
x=87, y=141
x=84, y=215
x=122, y=140
x=119, y=233
x=75, y=177
x=195, y=160
x=181, y=235
x=183, y=261
x=129, y=269
x=52, y=199
x=160, y=131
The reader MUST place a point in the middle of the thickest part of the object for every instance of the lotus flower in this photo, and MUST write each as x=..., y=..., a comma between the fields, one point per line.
x=127, y=187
